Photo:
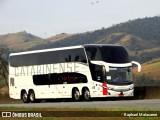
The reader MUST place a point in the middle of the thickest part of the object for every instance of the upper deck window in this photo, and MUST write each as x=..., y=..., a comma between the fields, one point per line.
x=51, y=57
x=114, y=54
x=109, y=54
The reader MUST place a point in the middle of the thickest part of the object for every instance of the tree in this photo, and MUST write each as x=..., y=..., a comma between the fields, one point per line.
x=4, y=63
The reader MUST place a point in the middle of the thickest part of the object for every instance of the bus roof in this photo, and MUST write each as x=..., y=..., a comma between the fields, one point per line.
x=101, y=45
x=46, y=50
x=60, y=48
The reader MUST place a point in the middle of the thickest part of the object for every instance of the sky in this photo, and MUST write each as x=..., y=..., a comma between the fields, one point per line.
x=46, y=18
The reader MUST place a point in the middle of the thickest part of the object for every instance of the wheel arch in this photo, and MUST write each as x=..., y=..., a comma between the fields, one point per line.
x=74, y=89
x=30, y=90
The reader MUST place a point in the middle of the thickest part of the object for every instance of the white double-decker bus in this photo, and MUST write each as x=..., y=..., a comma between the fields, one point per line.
x=85, y=71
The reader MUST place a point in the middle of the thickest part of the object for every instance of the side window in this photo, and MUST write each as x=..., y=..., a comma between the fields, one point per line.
x=65, y=56
x=73, y=55
x=19, y=60
x=32, y=59
x=35, y=59
x=24, y=60
x=13, y=61
x=93, y=53
x=61, y=56
x=59, y=78
x=46, y=58
x=78, y=55
x=41, y=79
x=67, y=78
x=97, y=72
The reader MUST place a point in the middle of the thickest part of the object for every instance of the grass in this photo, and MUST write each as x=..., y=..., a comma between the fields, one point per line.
x=68, y=109
x=152, y=68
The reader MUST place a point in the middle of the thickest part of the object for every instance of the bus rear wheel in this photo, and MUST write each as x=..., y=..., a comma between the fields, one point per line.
x=75, y=94
x=32, y=98
x=24, y=97
x=86, y=94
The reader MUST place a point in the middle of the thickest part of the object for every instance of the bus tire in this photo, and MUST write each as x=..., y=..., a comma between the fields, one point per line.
x=75, y=94
x=86, y=94
x=24, y=97
x=32, y=98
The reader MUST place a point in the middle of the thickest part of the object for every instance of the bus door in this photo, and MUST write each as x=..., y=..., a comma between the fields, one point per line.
x=61, y=91
x=52, y=91
x=98, y=74
x=63, y=86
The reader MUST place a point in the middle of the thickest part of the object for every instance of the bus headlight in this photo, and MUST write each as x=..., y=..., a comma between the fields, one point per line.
x=131, y=87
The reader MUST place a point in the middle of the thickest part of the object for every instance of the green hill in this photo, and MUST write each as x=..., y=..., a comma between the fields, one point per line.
x=146, y=29
x=59, y=37
x=21, y=41
x=132, y=42
x=140, y=36
x=151, y=68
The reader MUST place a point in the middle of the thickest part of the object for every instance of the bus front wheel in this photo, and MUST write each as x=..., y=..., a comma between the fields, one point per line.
x=75, y=94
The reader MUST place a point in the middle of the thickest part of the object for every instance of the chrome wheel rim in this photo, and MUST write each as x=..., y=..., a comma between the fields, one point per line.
x=87, y=95
x=76, y=95
x=32, y=96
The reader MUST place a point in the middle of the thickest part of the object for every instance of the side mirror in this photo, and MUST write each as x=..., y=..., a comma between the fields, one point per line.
x=138, y=64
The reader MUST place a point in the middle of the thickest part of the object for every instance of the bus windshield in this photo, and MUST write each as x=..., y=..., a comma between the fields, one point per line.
x=119, y=76
x=109, y=54
x=112, y=54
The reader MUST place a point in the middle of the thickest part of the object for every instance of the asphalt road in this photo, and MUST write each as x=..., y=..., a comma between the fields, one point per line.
x=126, y=104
